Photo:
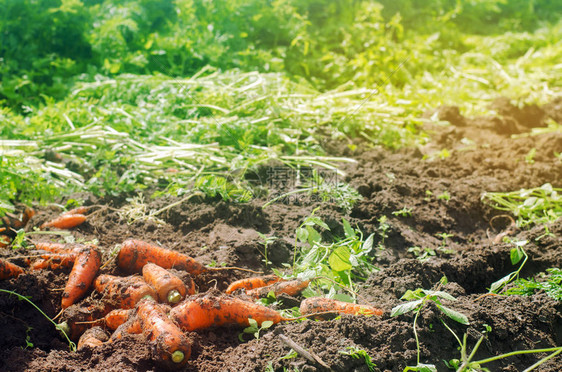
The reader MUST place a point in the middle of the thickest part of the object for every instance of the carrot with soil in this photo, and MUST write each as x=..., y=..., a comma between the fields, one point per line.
x=313, y=305
x=169, y=287
x=65, y=221
x=9, y=270
x=54, y=261
x=92, y=338
x=79, y=318
x=170, y=346
x=116, y=317
x=83, y=272
x=291, y=288
x=134, y=254
x=123, y=293
x=214, y=311
x=111, y=320
x=252, y=283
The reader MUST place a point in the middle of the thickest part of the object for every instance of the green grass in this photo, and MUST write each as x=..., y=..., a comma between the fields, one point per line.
x=120, y=125
x=534, y=206
x=550, y=282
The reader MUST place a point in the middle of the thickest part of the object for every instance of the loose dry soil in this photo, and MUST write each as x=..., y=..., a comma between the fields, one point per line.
x=484, y=157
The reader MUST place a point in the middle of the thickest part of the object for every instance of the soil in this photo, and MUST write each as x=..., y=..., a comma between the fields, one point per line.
x=484, y=156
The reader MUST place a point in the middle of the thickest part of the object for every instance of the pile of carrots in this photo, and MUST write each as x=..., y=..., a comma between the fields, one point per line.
x=154, y=302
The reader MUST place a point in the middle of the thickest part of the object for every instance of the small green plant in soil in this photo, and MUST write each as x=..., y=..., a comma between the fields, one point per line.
x=71, y=344
x=266, y=241
x=254, y=329
x=422, y=254
x=417, y=300
x=404, y=212
x=530, y=206
x=530, y=157
x=444, y=196
x=549, y=282
x=335, y=267
x=466, y=364
x=516, y=254
x=359, y=353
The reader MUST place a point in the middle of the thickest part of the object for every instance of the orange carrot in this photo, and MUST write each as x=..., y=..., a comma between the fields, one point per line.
x=80, y=318
x=93, y=337
x=54, y=261
x=57, y=247
x=170, y=346
x=291, y=288
x=79, y=210
x=214, y=311
x=123, y=293
x=251, y=283
x=134, y=254
x=65, y=221
x=8, y=270
x=321, y=304
x=130, y=327
x=117, y=317
x=83, y=272
x=169, y=287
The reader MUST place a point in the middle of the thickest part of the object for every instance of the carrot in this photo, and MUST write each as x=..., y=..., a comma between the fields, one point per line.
x=130, y=327
x=57, y=247
x=291, y=288
x=65, y=221
x=61, y=256
x=54, y=261
x=79, y=210
x=134, y=254
x=80, y=318
x=84, y=270
x=112, y=320
x=93, y=337
x=214, y=311
x=8, y=270
x=251, y=283
x=170, y=346
x=123, y=293
x=117, y=317
x=169, y=287
x=321, y=304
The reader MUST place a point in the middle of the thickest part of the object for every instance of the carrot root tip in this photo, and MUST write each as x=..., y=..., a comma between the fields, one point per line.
x=178, y=356
x=174, y=296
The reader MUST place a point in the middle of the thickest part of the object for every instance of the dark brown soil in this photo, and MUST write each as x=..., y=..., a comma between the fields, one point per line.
x=483, y=157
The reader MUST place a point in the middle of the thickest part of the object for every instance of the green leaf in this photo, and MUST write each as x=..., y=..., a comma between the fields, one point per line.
x=405, y=308
x=455, y=315
x=441, y=294
x=317, y=221
x=500, y=283
x=339, y=259
x=302, y=234
x=349, y=232
x=422, y=368
x=368, y=243
x=516, y=254
x=410, y=295
x=266, y=324
x=313, y=235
